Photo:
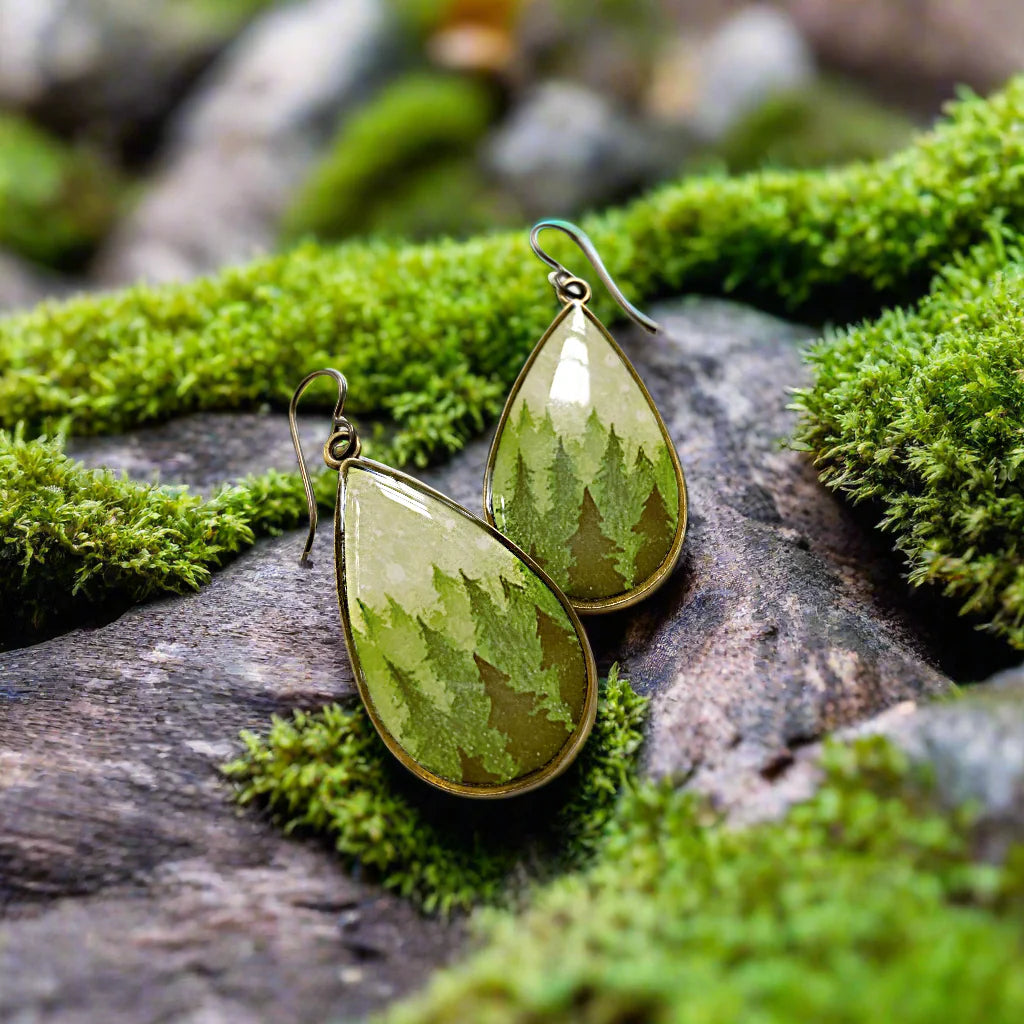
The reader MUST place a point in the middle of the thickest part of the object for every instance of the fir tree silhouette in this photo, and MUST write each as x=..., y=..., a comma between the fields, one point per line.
x=613, y=495
x=481, y=748
x=562, y=516
x=592, y=571
x=656, y=534
x=522, y=518
x=561, y=651
x=531, y=738
x=425, y=735
x=591, y=450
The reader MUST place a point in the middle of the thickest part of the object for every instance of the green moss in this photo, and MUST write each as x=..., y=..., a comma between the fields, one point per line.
x=74, y=538
x=56, y=202
x=864, y=904
x=415, y=127
x=826, y=125
x=329, y=773
x=920, y=413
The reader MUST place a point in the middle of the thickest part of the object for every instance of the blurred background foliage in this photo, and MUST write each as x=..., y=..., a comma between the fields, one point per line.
x=163, y=139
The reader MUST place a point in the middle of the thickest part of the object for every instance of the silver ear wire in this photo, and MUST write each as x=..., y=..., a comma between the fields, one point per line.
x=575, y=288
x=342, y=444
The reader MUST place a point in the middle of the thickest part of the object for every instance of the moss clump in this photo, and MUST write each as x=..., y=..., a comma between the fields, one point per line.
x=74, y=538
x=414, y=127
x=432, y=335
x=864, y=904
x=921, y=413
x=329, y=773
x=826, y=125
x=56, y=202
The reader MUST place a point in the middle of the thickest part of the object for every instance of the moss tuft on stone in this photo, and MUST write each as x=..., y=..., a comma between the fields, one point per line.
x=75, y=538
x=328, y=773
x=863, y=904
x=56, y=201
x=825, y=125
x=921, y=414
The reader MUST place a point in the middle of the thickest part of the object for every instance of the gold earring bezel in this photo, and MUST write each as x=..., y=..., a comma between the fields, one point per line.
x=636, y=594
x=569, y=752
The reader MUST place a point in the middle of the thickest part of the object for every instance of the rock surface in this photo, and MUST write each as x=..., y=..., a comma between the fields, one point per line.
x=975, y=748
x=242, y=144
x=566, y=148
x=131, y=888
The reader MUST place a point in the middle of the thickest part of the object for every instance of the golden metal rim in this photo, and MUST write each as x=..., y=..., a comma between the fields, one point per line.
x=635, y=594
x=573, y=745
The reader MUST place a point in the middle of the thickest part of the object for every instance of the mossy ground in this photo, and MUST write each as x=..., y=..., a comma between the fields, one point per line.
x=329, y=773
x=864, y=904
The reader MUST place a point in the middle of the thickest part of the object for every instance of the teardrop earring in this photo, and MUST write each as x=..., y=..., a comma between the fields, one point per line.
x=472, y=665
x=582, y=473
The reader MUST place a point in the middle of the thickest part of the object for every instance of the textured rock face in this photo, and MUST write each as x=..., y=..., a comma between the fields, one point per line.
x=785, y=619
x=244, y=141
x=975, y=748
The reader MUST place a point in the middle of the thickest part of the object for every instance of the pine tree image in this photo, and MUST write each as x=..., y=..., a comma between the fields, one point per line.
x=592, y=571
x=591, y=450
x=667, y=481
x=562, y=516
x=532, y=739
x=522, y=519
x=426, y=734
x=506, y=637
x=613, y=494
x=481, y=747
x=561, y=652
x=656, y=533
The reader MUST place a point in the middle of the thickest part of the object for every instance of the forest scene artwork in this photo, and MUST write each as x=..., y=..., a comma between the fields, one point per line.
x=469, y=660
x=583, y=476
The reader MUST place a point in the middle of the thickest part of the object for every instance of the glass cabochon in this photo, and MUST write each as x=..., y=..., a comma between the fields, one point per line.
x=469, y=662
x=583, y=475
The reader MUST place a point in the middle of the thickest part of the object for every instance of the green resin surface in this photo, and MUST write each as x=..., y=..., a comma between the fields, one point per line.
x=468, y=660
x=583, y=475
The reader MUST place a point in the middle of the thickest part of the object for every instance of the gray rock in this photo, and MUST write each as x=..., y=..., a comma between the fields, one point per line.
x=566, y=148
x=113, y=66
x=244, y=142
x=21, y=285
x=786, y=619
x=755, y=54
x=974, y=746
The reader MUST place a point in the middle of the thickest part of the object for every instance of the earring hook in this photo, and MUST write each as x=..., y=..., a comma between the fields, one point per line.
x=561, y=277
x=342, y=444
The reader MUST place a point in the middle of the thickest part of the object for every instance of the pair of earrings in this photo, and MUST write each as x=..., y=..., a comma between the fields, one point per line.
x=464, y=634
